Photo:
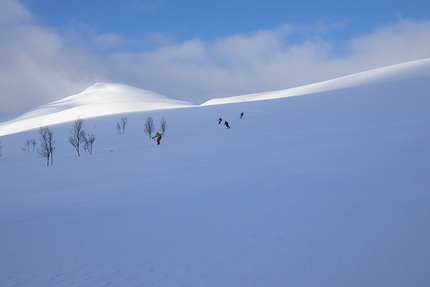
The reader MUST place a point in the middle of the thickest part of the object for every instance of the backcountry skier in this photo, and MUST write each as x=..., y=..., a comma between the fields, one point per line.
x=158, y=136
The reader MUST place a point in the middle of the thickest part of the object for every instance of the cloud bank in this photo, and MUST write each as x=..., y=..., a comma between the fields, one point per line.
x=40, y=64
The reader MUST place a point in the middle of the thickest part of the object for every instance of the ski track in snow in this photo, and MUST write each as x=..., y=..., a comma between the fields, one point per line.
x=327, y=189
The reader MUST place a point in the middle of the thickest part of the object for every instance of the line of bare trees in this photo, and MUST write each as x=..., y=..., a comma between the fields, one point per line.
x=47, y=142
x=79, y=137
x=150, y=126
x=47, y=145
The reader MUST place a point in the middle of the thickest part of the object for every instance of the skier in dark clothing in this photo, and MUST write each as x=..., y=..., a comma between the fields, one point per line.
x=226, y=124
x=219, y=120
x=241, y=114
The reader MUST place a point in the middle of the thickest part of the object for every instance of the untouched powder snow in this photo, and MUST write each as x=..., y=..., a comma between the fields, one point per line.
x=98, y=100
x=409, y=70
x=327, y=189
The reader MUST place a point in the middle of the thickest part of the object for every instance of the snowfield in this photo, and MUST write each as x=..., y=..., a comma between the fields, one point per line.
x=329, y=188
x=100, y=99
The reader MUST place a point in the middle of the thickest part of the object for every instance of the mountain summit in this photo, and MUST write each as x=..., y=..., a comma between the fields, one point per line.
x=103, y=99
x=98, y=100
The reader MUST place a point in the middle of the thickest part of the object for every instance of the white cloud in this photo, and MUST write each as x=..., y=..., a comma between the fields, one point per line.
x=109, y=41
x=402, y=41
x=39, y=64
x=267, y=60
x=35, y=67
x=12, y=11
x=186, y=52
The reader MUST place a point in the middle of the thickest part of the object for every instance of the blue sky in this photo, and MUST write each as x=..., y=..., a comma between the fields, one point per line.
x=208, y=20
x=198, y=50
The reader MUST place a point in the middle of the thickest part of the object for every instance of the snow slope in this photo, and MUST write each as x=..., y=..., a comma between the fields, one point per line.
x=98, y=100
x=326, y=189
x=409, y=70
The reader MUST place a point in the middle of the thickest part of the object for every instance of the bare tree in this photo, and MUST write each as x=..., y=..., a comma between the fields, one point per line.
x=149, y=126
x=118, y=128
x=29, y=142
x=44, y=145
x=47, y=144
x=1, y=148
x=33, y=143
x=51, y=145
x=89, y=140
x=163, y=126
x=26, y=149
x=27, y=145
x=124, y=123
x=78, y=135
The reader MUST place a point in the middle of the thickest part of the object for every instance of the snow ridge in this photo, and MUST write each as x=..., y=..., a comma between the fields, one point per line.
x=104, y=99
x=98, y=100
x=409, y=70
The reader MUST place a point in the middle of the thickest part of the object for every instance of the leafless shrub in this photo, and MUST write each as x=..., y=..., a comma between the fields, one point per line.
x=89, y=140
x=163, y=126
x=149, y=126
x=123, y=123
x=78, y=135
x=47, y=144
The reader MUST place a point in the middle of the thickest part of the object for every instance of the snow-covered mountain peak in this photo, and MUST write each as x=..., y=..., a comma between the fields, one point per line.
x=98, y=100
x=119, y=97
x=108, y=98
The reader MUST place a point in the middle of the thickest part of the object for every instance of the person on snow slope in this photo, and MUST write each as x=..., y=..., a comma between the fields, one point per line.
x=158, y=136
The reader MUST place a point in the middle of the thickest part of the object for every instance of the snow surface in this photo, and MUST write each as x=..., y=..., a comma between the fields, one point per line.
x=98, y=100
x=408, y=70
x=326, y=189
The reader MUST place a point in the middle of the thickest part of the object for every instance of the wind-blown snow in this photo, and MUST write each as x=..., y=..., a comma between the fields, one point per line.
x=409, y=70
x=326, y=189
x=98, y=100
